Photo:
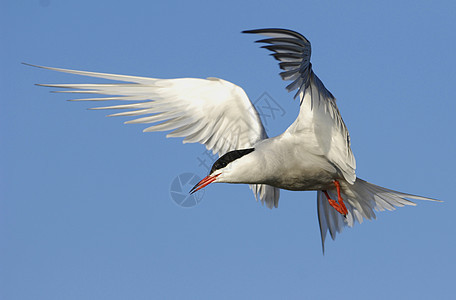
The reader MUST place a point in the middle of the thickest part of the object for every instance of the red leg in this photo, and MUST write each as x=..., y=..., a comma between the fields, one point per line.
x=339, y=204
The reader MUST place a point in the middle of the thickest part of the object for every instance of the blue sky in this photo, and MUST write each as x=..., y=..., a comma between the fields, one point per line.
x=85, y=205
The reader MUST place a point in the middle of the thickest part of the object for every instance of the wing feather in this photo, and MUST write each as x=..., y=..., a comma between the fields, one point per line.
x=319, y=119
x=211, y=111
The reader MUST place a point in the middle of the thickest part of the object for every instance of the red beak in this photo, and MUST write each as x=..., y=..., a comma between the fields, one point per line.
x=204, y=182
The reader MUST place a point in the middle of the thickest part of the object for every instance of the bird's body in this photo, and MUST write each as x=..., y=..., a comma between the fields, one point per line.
x=281, y=162
x=312, y=154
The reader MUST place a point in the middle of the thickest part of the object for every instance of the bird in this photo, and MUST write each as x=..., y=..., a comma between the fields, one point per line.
x=312, y=154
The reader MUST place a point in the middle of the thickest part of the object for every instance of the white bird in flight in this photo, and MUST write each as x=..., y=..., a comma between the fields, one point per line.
x=313, y=154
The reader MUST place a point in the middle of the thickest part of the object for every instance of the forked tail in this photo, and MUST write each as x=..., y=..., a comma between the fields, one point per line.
x=361, y=199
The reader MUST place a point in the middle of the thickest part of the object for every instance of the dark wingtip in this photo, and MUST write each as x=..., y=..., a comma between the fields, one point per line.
x=31, y=65
x=249, y=31
x=286, y=32
x=27, y=64
x=264, y=30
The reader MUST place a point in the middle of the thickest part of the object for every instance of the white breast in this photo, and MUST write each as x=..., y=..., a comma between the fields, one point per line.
x=281, y=163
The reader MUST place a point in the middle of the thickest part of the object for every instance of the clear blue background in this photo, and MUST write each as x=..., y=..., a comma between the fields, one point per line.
x=85, y=209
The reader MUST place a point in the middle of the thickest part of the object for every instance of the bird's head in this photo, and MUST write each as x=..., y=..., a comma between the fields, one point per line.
x=220, y=167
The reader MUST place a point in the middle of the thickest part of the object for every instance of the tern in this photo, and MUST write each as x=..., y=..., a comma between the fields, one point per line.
x=313, y=154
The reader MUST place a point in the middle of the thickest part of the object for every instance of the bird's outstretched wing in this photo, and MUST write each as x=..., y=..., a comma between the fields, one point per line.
x=319, y=121
x=211, y=111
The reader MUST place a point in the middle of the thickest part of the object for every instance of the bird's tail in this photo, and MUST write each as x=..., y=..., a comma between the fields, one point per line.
x=361, y=199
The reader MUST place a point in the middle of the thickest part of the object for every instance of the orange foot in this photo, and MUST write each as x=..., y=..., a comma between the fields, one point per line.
x=339, y=204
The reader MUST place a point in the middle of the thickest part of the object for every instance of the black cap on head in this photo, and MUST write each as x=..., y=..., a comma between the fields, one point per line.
x=228, y=157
